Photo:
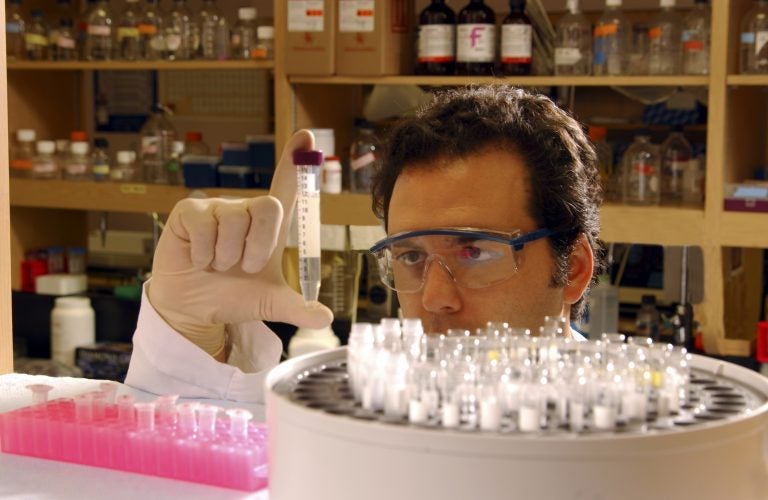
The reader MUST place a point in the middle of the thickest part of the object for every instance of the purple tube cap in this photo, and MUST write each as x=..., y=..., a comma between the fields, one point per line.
x=308, y=157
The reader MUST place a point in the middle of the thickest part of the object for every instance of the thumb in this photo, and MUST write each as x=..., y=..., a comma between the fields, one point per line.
x=288, y=306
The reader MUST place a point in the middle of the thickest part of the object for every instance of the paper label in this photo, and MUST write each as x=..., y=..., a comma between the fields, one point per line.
x=65, y=43
x=356, y=16
x=475, y=42
x=567, y=56
x=362, y=161
x=35, y=39
x=99, y=30
x=147, y=29
x=306, y=15
x=436, y=42
x=127, y=32
x=44, y=167
x=761, y=38
x=516, y=46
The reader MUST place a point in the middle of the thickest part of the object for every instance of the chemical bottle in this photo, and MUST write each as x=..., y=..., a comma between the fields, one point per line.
x=222, y=46
x=209, y=24
x=22, y=154
x=265, y=43
x=363, y=157
x=573, y=43
x=754, y=39
x=98, y=41
x=647, y=322
x=128, y=32
x=15, y=30
x=603, y=306
x=244, y=33
x=157, y=136
x=640, y=169
x=173, y=165
x=100, y=164
x=664, y=41
x=65, y=48
x=73, y=324
x=194, y=145
x=62, y=151
x=177, y=28
x=151, y=39
x=612, y=41
x=693, y=181
x=436, y=45
x=125, y=170
x=516, y=54
x=330, y=176
x=63, y=11
x=44, y=165
x=36, y=37
x=696, y=39
x=307, y=340
x=676, y=153
x=608, y=177
x=476, y=39
x=78, y=164
x=192, y=37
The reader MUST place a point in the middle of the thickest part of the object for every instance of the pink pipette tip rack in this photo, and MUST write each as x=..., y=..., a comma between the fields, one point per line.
x=188, y=441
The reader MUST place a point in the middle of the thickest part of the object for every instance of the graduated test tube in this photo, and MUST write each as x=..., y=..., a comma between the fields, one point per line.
x=308, y=217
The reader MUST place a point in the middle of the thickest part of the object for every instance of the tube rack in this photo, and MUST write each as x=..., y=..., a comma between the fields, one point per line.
x=187, y=441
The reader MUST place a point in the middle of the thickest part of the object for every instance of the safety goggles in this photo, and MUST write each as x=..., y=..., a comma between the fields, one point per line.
x=473, y=258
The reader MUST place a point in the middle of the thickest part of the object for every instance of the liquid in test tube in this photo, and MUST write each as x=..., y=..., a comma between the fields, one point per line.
x=308, y=217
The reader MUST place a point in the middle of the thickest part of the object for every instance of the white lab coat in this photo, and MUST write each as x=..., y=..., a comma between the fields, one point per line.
x=164, y=362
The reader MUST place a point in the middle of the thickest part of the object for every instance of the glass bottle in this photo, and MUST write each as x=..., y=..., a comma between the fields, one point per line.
x=98, y=42
x=265, y=46
x=436, y=45
x=128, y=48
x=151, y=37
x=648, y=319
x=222, y=46
x=157, y=136
x=125, y=170
x=63, y=11
x=754, y=39
x=173, y=165
x=44, y=165
x=65, y=48
x=363, y=157
x=612, y=41
x=641, y=172
x=608, y=178
x=36, y=37
x=676, y=153
x=244, y=33
x=694, y=180
x=78, y=165
x=664, y=41
x=194, y=145
x=603, y=307
x=22, y=153
x=476, y=39
x=209, y=24
x=177, y=30
x=516, y=54
x=573, y=45
x=15, y=29
x=100, y=163
x=696, y=39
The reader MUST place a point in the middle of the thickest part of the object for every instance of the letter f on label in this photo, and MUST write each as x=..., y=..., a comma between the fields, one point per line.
x=475, y=34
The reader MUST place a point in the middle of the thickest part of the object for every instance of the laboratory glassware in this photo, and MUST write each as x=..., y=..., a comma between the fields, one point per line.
x=516, y=53
x=664, y=37
x=476, y=39
x=436, y=45
x=612, y=41
x=308, y=220
x=696, y=39
x=573, y=49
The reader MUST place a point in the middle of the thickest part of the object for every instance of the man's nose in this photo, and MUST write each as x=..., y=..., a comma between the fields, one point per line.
x=439, y=293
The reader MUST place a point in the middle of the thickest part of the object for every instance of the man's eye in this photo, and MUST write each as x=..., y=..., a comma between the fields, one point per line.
x=410, y=258
x=470, y=253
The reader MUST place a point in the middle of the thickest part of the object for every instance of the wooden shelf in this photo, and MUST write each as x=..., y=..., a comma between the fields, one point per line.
x=744, y=229
x=658, y=225
x=522, y=81
x=137, y=65
x=747, y=80
x=354, y=209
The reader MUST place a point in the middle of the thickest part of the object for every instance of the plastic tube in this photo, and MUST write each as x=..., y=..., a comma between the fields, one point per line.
x=238, y=422
x=145, y=416
x=39, y=393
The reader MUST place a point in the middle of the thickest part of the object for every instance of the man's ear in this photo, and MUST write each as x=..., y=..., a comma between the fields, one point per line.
x=580, y=267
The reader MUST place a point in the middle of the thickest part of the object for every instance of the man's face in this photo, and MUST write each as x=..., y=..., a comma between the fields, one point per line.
x=486, y=190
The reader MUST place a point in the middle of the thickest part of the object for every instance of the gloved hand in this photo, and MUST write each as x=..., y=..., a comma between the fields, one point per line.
x=218, y=262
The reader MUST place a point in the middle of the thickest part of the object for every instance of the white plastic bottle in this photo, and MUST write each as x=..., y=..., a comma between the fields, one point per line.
x=696, y=39
x=664, y=41
x=307, y=340
x=125, y=170
x=331, y=175
x=573, y=49
x=612, y=41
x=603, y=307
x=73, y=324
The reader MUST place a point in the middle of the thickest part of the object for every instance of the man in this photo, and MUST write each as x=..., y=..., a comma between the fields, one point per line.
x=490, y=197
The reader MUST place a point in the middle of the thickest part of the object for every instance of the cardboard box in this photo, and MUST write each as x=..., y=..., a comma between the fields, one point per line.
x=309, y=40
x=374, y=37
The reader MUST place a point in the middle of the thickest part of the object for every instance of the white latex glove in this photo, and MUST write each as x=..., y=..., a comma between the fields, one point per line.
x=219, y=262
